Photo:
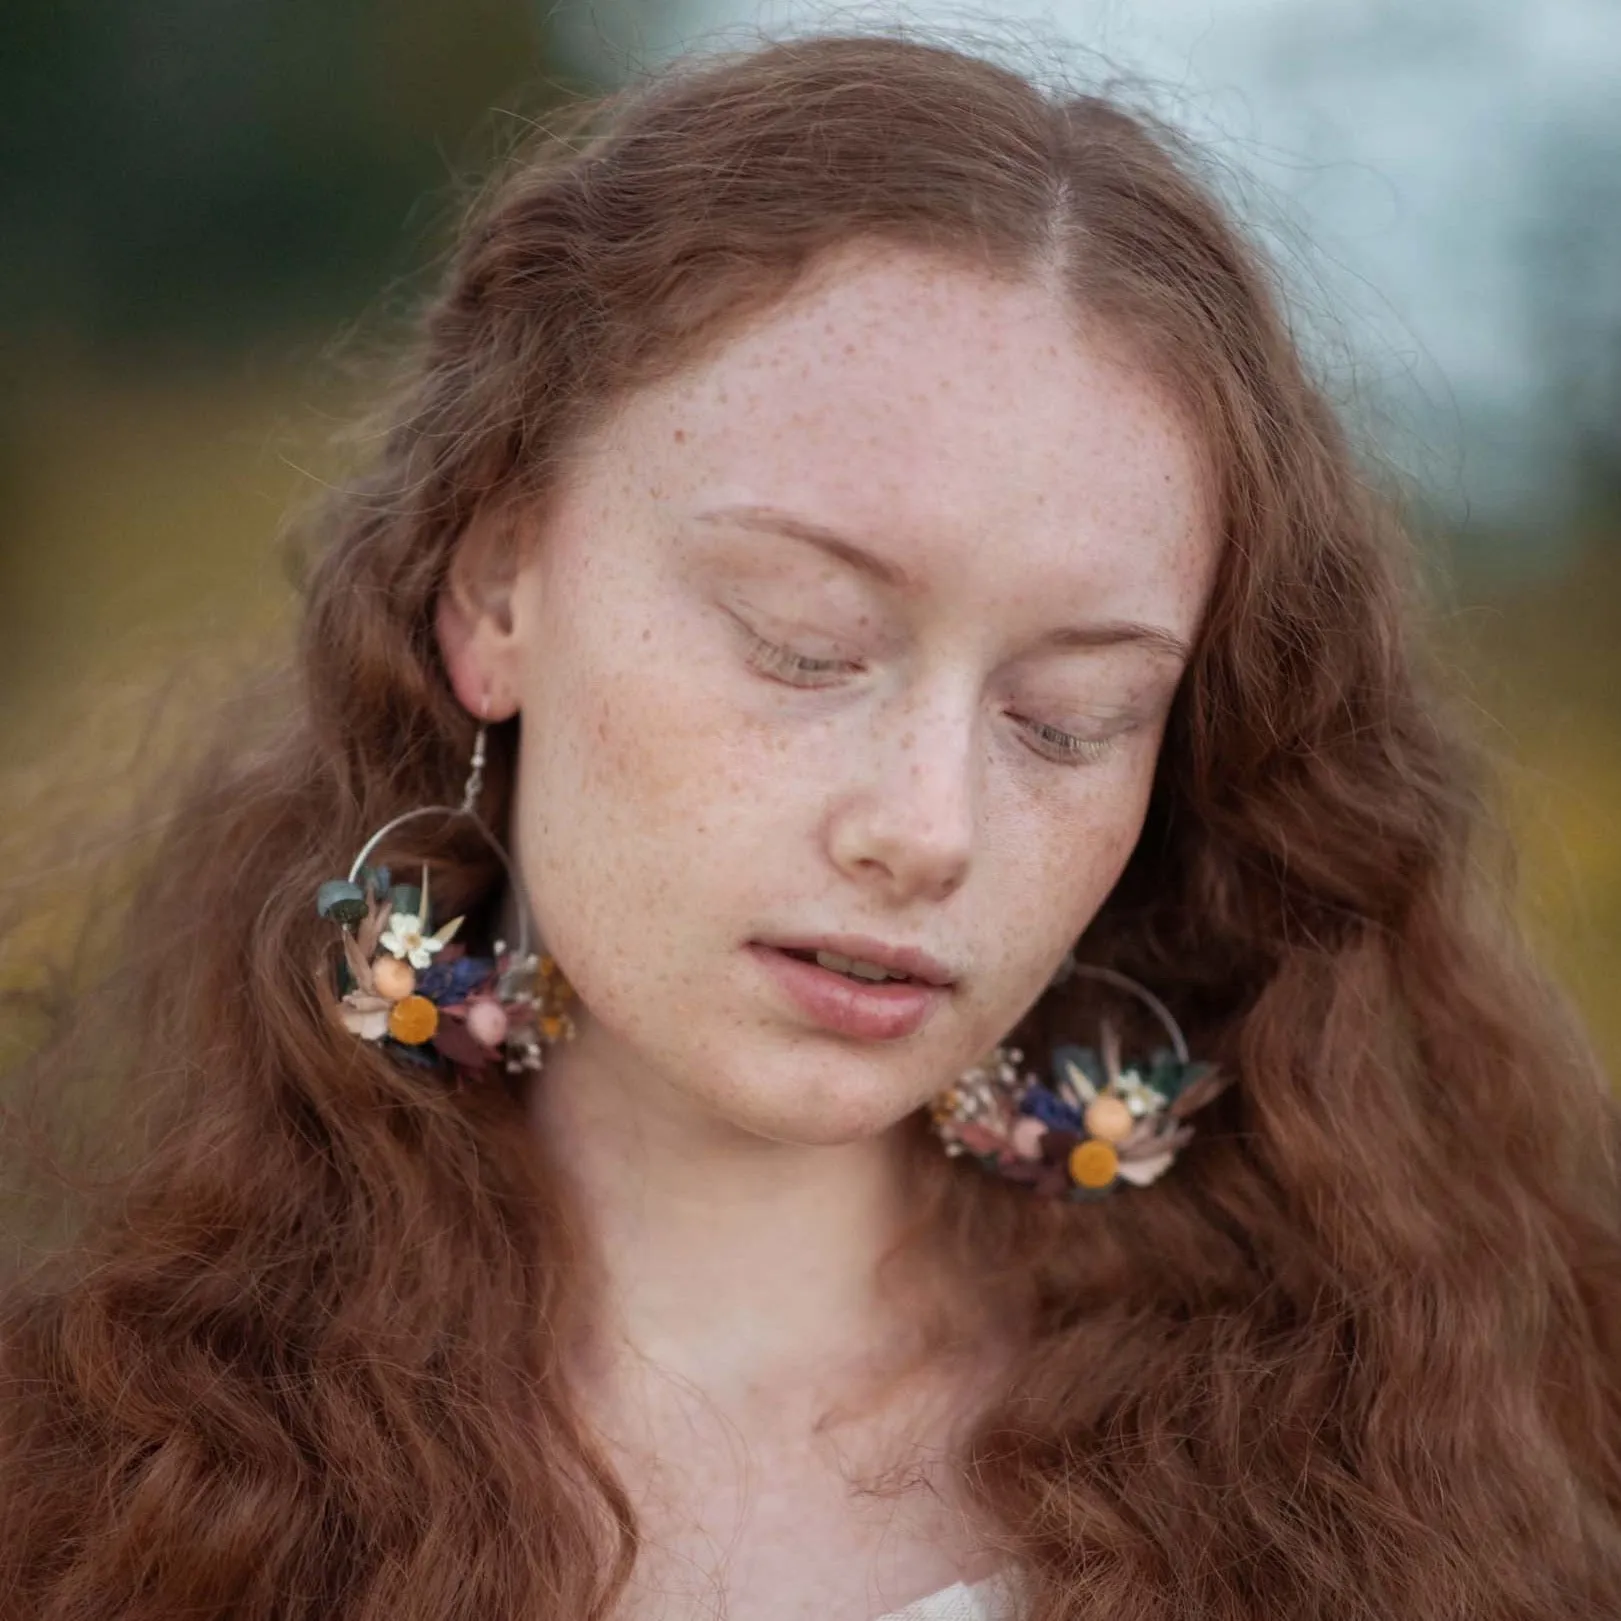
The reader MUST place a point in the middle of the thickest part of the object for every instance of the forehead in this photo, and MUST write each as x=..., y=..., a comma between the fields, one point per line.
x=964, y=419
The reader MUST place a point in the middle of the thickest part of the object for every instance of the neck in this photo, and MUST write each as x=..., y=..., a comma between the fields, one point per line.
x=725, y=1258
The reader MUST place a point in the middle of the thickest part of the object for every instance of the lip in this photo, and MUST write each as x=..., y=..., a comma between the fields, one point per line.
x=863, y=948
x=867, y=1012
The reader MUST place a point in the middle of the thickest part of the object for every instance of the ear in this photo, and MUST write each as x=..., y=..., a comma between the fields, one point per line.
x=474, y=619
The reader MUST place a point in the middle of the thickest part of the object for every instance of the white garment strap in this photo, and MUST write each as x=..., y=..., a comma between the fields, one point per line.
x=983, y=1601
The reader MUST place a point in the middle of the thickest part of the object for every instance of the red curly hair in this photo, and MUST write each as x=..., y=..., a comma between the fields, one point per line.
x=1358, y=1356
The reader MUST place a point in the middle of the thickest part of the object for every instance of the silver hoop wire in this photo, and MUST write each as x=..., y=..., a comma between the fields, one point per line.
x=466, y=810
x=1124, y=982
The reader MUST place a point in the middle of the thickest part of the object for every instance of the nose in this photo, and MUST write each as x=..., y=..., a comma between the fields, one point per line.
x=904, y=827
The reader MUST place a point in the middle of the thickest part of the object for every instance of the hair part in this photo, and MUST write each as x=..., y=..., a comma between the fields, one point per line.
x=1357, y=1356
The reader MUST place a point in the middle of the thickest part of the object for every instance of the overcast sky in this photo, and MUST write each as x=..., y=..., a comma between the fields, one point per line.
x=1398, y=150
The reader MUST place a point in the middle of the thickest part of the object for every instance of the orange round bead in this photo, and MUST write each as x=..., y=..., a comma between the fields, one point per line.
x=1093, y=1164
x=1109, y=1118
x=413, y=1020
x=394, y=978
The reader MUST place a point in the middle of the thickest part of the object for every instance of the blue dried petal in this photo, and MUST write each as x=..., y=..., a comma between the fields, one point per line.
x=447, y=983
x=1050, y=1111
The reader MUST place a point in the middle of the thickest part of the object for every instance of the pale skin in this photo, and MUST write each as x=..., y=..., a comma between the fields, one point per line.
x=867, y=624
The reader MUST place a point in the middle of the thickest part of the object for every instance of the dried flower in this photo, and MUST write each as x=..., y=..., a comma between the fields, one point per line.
x=365, y=1015
x=404, y=937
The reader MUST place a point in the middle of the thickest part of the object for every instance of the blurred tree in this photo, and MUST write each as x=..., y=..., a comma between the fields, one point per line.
x=200, y=169
x=1573, y=292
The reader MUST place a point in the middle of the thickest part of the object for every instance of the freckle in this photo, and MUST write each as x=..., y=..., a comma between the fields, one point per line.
x=647, y=633
x=680, y=436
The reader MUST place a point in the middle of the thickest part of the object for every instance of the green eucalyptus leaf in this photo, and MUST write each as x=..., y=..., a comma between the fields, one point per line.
x=406, y=898
x=1085, y=1059
x=1171, y=1078
x=376, y=881
x=341, y=900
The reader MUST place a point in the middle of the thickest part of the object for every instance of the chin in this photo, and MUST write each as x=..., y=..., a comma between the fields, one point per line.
x=821, y=1106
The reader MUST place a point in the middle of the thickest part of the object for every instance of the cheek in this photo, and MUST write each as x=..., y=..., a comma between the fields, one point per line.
x=638, y=786
x=1064, y=848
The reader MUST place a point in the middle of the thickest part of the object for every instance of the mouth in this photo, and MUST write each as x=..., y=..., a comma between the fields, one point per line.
x=857, y=987
x=869, y=962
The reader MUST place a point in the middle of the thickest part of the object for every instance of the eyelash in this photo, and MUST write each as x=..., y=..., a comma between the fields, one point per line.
x=784, y=664
x=1066, y=748
x=796, y=670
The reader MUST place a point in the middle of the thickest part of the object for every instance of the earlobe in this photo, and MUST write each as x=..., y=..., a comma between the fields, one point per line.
x=473, y=620
x=466, y=659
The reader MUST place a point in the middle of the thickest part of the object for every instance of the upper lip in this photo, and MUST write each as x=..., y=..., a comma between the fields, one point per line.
x=862, y=948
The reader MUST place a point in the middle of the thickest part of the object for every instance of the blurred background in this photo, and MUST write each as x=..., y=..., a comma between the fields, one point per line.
x=209, y=212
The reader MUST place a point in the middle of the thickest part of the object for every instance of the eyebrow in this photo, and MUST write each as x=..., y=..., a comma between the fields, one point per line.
x=1099, y=633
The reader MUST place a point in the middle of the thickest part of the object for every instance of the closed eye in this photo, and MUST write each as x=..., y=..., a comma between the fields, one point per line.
x=1065, y=747
x=795, y=669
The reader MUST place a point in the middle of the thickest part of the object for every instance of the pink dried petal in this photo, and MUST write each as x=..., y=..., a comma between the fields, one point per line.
x=1140, y=1172
x=1164, y=1141
x=979, y=1139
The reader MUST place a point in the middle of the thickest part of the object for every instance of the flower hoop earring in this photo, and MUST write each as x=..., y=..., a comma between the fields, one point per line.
x=417, y=991
x=1097, y=1124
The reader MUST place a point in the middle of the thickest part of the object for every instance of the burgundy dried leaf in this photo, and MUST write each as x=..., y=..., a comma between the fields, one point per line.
x=1024, y=1171
x=1056, y=1146
x=453, y=1040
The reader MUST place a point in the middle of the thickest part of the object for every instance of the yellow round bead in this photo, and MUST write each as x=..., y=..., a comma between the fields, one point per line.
x=1109, y=1118
x=413, y=1020
x=394, y=978
x=1093, y=1164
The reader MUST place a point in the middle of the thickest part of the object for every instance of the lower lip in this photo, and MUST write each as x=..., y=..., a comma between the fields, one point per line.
x=876, y=1012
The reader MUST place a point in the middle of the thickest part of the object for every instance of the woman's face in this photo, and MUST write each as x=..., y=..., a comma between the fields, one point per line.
x=858, y=636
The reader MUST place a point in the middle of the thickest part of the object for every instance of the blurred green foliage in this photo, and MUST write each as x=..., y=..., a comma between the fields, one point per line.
x=199, y=170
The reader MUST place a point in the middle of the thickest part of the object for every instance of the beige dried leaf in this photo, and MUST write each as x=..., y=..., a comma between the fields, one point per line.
x=359, y=965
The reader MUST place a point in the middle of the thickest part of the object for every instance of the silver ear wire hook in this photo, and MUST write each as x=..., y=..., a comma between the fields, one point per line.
x=467, y=809
x=475, y=777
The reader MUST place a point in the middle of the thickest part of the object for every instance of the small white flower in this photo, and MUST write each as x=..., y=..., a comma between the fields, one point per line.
x=404, y=938
x=1141, y=1098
